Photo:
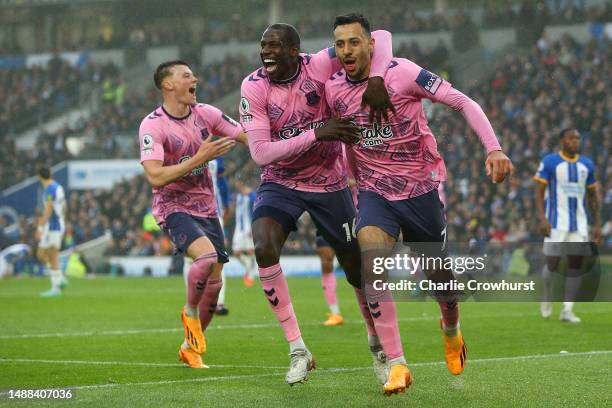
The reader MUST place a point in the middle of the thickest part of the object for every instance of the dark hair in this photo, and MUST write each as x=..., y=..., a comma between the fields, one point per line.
x=44, y=172
x=353, y=18
x=564, y=131
x=290, y=34
x=163, y=70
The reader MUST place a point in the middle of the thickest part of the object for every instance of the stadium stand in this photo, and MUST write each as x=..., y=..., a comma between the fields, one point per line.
x=518, y=97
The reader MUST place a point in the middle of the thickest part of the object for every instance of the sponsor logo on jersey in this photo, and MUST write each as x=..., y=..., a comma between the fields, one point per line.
x=289, y=132
x=375, y=135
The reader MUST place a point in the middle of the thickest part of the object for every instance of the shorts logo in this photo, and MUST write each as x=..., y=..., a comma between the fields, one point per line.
x=376, y=135
x=181, y=238
x=428, y=81
x=147, y=144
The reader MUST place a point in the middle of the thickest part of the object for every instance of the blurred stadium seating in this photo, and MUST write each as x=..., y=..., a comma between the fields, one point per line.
x=534, y=89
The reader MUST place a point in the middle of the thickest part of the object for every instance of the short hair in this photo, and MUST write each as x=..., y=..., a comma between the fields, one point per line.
x=290, y=34
x=353, y=18
x=164, y=69
x=44, y=172
x=564, y=131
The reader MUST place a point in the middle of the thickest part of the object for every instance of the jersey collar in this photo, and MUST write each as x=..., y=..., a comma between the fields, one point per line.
x=175, y=117
x=293, y=78
x=357, y=82
x=569, y=159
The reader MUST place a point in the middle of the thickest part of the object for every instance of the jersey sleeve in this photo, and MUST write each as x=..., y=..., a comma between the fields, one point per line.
x=383, y=53
x=151, y=140
x=253, y=105
x=254, y=117
x=544, y=172
x=220, y=123
x=420, y=83
x=591, y=181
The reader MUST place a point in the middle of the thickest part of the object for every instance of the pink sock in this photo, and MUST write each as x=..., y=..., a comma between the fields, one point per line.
x=365, y=312
x=384, y=313
x=449, y=308
x=196, y=279
x=275, y=287
x=208, y=304
x=329, y=288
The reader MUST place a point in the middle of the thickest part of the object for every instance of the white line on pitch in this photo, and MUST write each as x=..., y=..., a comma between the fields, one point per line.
x=338, y=369
x=221, y=327
x=127, y=363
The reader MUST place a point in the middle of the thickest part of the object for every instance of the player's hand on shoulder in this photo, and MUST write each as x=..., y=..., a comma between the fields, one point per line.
x=498, y=166
x=344, y=130
x=212, y=148
x=376, y=97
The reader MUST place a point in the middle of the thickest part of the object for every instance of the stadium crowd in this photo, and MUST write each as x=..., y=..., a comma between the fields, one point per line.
x=171, y=30
x=529, y=98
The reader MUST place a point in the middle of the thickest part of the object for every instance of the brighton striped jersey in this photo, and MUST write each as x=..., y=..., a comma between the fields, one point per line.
x=244, y=210
x=216, y=168
x=54, y=193
x=567, y=180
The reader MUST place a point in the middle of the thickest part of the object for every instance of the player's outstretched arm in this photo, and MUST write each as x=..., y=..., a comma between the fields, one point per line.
x=498, y=166
x=376, y=96
x=159, y=175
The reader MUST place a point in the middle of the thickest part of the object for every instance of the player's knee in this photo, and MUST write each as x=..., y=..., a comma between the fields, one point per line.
x=327, y=265
x=266, y=255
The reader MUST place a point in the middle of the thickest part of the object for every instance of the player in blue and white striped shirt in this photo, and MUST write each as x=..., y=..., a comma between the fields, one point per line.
x=51, y=227
x=566, y=182
x=242, y=241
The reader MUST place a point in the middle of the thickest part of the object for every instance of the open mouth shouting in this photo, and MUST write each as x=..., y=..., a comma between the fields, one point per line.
x=270, y=65
x=350, y=64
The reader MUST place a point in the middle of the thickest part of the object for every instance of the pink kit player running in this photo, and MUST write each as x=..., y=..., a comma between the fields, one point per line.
x=398, y=170
x=176, y=142
x=290, y=137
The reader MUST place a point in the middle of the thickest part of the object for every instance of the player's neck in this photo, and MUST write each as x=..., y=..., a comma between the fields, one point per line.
x=45, y=183
x=568, y=156
x=176, y=109
x=292, y=74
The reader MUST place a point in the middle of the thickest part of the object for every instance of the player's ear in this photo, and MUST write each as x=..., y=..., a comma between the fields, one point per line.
x=371, y=44
x=167, y=84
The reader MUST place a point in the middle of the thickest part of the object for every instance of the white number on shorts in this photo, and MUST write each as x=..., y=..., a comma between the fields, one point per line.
x=350, y=232
x=443, y=233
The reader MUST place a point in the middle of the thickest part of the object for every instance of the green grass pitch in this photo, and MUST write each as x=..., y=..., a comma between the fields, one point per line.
x=115, y=343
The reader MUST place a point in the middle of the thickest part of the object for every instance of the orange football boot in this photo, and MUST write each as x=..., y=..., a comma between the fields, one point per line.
x=193, y=333
x=333, y=320
x=455, y=352
x=191, y=358
x=399, y=379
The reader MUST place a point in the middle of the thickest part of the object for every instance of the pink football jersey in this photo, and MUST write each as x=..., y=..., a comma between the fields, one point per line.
x=280, y=117
x=399, y=159
x=173, y=140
